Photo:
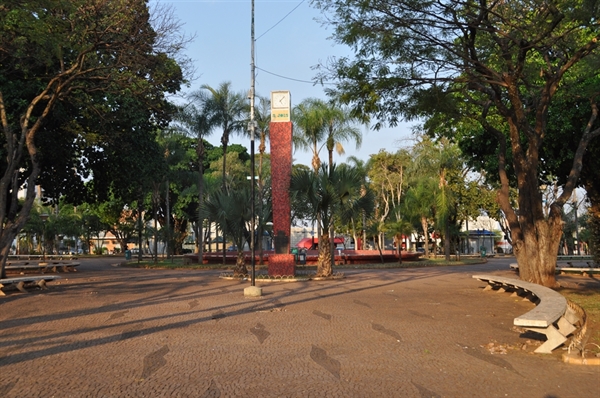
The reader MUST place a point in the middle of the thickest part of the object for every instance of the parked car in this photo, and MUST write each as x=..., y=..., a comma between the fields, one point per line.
x=232, y=248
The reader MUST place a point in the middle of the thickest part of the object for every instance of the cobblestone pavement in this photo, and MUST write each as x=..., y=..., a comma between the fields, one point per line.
x=108, y=331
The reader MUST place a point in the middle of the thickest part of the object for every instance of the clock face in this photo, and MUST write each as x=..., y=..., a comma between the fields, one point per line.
x=280, y=99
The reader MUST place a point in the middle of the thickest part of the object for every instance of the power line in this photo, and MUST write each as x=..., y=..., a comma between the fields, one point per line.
x=291, y=78
x=286, y=15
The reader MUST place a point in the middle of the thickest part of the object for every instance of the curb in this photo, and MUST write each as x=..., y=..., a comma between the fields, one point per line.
x=578, y=360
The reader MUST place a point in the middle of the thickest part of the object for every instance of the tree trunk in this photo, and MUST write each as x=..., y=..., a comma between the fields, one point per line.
x=426, y=235
x=536, y=253
x=324, y=267
x=447, y=241
x=399, y=247
x=332, y=245
x=240, y=264
x=155, y=243
x=200, y=237
x=140, y=237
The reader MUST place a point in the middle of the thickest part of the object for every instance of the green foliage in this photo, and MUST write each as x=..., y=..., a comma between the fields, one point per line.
x=494, y=76
x=232, y=213
x=332, y=192
x=82, y=89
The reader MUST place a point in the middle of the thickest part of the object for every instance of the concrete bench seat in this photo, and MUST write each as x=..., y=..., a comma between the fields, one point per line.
x=574, y=257
x=24, y=281
x=42, y=257
x=569, y=268
x=552, y=316
x=54, y=266
x=578, y=270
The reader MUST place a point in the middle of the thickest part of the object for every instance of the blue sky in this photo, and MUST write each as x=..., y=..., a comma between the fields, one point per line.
x=286, y=50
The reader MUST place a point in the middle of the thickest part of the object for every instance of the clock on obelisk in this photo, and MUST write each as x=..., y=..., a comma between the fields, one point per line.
x=282, y=263
x=280, y=106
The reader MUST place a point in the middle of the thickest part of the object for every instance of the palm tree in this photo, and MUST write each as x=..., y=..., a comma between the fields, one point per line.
x=227, y=110
x=198, y=122
x=232, y=214
x=330, y=192
x=339, y=127
x=398, y=229
x=440, y=163
x=263, y=120
x=309, y=128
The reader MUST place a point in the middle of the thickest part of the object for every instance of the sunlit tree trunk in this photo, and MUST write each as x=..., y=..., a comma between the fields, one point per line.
x=324, y=267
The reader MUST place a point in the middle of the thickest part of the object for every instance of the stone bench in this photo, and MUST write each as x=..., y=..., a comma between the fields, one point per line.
x=63, y=266
x=552, y=316
x=20, y=283
x=42, y=257
x=54, y=266
x=573, y=258
x=570, y=268
x=585, y=271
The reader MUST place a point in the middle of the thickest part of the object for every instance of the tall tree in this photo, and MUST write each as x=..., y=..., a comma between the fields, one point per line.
x=263, y=121
x=227, y=110
x=442, y=163
x=419, y=205
x=114, y=215
x=309, y=128
x=198, y=121
x=340, y=126
x=77, y=54
x=387, y=175
x=361, y=167
x=507, y=59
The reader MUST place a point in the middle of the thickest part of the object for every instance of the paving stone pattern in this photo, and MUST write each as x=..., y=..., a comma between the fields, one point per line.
x=109, y=331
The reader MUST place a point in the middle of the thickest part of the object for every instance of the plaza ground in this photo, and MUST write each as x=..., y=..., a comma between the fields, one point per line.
x=109, y=331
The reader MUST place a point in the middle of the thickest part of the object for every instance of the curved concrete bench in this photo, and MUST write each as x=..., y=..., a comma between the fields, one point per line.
x=551, y=316
x=21, y=282
x=55, y=266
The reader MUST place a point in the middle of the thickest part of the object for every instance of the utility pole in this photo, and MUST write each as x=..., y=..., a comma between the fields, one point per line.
x=252, y=290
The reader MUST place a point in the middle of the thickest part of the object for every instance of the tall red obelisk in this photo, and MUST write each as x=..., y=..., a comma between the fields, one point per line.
x=280, y=136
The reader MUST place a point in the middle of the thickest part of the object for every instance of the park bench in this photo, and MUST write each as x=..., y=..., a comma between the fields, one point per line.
x=552, y=316
x=63, y=266
x=21, y=282
x=574, y=258
x=42, y=257
x=585, y=271
x=54, y=266
x=570, y=268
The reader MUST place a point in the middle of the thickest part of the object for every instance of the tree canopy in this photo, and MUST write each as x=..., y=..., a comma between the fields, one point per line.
x=69, y=71
x=502, y=65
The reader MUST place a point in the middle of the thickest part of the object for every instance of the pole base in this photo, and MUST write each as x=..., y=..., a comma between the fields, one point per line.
x=252, y=291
